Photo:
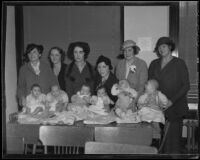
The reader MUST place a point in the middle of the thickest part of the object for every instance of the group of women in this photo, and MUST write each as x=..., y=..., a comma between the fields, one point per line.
x=170, y=72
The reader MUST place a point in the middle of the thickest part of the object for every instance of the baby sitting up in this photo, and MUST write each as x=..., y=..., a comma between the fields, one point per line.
x=152, y=103
x=57, y=99
x=35, y=101
x=80, y=100
x=101, y=102
x=125, y=104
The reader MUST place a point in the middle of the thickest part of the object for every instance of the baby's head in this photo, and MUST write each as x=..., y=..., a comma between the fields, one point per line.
x=35, y=90
x=55, y=90
x=124, y=84
x=124, y=100
x=85, y=90
x=101, y=91
x=151, y=86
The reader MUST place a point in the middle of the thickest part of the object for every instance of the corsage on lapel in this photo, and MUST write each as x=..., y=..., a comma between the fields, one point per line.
x=132, y=68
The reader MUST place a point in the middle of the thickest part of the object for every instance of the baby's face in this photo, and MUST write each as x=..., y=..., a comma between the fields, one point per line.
x=149, y=87
x=85, y=90
x=101, y=92
x=36, y=91
x=55, y=91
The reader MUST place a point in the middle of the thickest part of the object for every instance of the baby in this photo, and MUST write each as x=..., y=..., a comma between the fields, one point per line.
x=57, y=99
x=152, y=103
x=125, y=104
x=82, y=97
x=80, y=100
x=101, y=92
x=35, y=101
x=101, y=102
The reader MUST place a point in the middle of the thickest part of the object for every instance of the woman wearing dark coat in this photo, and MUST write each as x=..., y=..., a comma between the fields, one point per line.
x=172, y=74
x=56, y=59
x=105, y=78
x=79, y=72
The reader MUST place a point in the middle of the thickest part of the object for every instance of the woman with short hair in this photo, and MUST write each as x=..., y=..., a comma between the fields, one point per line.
x=80, y=71
x=56, y=58
x=132, y=68
x=35, y=71
x=105, y=78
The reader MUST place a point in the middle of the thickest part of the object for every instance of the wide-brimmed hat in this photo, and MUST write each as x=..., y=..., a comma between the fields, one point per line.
x=130, y=43
x=117, y=89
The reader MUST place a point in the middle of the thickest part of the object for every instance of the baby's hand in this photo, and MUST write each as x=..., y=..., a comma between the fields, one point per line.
x=37, y=110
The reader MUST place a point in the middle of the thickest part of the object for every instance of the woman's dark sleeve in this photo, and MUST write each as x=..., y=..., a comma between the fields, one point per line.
x=183, y=75
x=151, y=71
x=68, y=84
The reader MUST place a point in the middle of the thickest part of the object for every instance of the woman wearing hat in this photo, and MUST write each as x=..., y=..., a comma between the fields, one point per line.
x=34, y=71
x=56, y=58
x=79, y=72
x=105, y=78
x=132, y=68
x=172, y=75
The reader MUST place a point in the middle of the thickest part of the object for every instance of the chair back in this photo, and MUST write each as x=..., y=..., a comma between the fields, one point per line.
x=30, y=133
x=136, y=136
x=15, y=145
x=65, y=136
x=116, y=148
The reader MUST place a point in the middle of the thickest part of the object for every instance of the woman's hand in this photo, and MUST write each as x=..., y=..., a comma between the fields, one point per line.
x=169, y=104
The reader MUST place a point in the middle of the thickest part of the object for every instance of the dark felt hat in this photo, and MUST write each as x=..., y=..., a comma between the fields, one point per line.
x=164, y=40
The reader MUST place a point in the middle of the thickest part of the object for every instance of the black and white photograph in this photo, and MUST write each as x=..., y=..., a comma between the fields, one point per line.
x=100, y=79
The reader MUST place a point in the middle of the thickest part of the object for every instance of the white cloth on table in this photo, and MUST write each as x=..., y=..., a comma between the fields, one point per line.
x=100, y=119
x=129, y=117
x=98, y=108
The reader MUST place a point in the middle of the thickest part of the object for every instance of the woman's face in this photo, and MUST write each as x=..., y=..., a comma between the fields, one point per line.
x=103, y=69
x=55, y=56
x=128, y=53
x=78, y=54
x=164, y=50
x=34, y=55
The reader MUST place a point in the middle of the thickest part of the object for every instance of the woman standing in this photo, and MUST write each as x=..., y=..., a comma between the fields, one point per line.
x=172, y=75
x=105, y=78
x=132, y=68
x=80, y=71
x=56, y=59
x=34, y=71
